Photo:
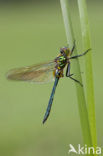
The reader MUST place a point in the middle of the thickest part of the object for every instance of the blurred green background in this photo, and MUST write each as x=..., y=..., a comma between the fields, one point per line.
x=33, y=32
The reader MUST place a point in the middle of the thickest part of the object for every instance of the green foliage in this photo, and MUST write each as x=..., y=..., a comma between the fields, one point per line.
x=88, y=71
x=87, y=124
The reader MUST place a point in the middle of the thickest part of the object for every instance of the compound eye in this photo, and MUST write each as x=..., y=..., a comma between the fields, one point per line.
x=61, y=51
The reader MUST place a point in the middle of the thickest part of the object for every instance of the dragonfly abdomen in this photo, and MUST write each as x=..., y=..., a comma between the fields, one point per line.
x=51, y=100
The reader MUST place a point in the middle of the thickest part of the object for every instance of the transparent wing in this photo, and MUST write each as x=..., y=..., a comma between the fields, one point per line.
x=40, y=73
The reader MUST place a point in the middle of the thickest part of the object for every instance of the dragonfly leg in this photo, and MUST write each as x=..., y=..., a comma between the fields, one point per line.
x=73, y=48
x=70, y=76
x=73, y=57
x=68, y=70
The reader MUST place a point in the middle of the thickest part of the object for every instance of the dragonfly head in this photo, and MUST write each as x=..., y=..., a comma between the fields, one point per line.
x=65, y=51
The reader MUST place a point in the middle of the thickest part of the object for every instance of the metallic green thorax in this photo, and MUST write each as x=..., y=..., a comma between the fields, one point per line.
x=62, y=61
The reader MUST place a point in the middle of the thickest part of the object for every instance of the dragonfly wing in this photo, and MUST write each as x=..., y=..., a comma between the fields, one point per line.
x=41, y=73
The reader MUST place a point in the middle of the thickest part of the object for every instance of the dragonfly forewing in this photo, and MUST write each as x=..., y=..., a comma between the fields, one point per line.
x=40, y=73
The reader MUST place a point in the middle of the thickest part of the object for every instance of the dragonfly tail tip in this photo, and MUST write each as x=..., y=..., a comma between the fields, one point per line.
x=44, y=120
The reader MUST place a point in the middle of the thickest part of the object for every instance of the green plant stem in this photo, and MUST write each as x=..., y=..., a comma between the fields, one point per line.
x=76, y=69
x=88, y=65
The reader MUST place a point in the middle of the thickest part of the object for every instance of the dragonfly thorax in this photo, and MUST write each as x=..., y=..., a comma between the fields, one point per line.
x=62, y=61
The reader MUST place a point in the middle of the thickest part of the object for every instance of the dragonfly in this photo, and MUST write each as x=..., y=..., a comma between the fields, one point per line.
x=47, y=72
